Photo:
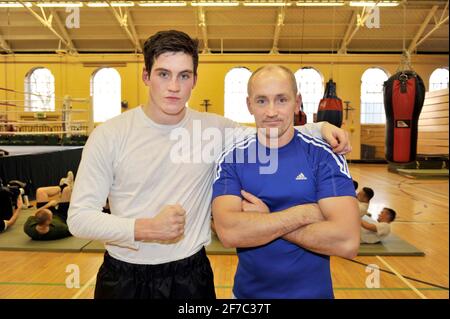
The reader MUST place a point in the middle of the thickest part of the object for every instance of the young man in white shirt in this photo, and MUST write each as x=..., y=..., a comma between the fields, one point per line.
x=159, y=200
x=373, y=232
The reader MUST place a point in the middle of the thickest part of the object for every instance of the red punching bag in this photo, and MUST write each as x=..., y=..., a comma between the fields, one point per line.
x=330, y=107
x=300, y=118
x=404, y=94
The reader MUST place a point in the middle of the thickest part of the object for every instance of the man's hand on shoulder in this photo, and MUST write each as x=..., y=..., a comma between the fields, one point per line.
x=338, y=138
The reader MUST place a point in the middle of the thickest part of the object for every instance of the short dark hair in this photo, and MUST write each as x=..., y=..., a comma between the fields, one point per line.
x=369, y=192
x=355, y=184
x=169, y=41
x=392, y=213
x=42, y=216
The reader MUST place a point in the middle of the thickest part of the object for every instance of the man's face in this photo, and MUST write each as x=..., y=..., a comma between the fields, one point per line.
x=272, y=102
x=171, y=81
x=384, y=217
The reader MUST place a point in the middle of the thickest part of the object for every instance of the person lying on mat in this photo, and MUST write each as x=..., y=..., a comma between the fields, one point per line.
x=8, y=221
x=269, y=212
x=50, y=219
x=364, y=196
x=49, y=222
x=373, y=232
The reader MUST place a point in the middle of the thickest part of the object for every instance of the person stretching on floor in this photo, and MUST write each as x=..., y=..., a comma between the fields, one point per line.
x=373, y=232
x=50, y=219
x=364, y=196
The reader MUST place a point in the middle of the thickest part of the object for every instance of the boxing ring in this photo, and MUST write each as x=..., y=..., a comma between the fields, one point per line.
x=40, y=147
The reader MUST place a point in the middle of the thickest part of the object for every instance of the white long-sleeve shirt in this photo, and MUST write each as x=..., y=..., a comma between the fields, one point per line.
x=141, y=166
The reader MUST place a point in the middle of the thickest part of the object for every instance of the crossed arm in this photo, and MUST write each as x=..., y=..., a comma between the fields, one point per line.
x=331, y=227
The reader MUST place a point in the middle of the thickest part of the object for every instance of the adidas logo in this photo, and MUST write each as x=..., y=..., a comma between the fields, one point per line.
x=301, y=177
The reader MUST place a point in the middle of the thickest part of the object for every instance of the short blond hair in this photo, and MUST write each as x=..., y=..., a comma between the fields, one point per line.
x=272, y=67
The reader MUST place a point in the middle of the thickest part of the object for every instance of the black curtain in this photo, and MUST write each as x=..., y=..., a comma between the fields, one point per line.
x=41, y=169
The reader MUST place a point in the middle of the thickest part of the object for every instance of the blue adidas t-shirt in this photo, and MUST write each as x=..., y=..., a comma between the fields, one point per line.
x=306, y=171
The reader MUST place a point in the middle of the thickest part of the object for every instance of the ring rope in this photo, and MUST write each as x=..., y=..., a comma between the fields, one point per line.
x=26, y=93
x=42, y=133
x=74, y=99
x=37, y=122
x=67, y=111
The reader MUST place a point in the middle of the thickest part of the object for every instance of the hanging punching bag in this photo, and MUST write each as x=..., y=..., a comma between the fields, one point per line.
x=330, y=107
x=300, y=118
x=404, y=94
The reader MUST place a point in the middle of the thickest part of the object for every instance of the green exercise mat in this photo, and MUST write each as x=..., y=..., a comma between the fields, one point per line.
x=214, y=248
x=14, y=238
x=390, y=246
x=423, y=173
x=94, y=246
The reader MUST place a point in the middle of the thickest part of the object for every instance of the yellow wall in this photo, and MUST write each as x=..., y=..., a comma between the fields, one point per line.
x=73, y=74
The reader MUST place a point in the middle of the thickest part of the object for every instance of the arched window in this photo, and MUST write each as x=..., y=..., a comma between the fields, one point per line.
x=439, y=79
x=310, y=85
x=372, y=104
x=39, y=90
x=236, y=94
x=106, y=93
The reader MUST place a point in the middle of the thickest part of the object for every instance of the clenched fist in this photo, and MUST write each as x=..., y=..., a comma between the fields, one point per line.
x=168, y=225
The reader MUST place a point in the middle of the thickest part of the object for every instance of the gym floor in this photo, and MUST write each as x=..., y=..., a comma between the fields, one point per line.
x=422, y=220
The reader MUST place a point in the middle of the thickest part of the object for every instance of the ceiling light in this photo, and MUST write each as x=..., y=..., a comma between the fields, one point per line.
x=59, y=4
x=266, y=3
x=320, y=3
x=162, y=3
x=374, y=3
x=214, y=3
x=97, y=4
x=14, y=4
x=122, y=4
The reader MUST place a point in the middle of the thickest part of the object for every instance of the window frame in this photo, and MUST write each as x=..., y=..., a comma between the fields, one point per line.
x=231, y=113
x=430, y=84
x=103, y=118
x=29, y=93
x=373, y=107
x=310, y=106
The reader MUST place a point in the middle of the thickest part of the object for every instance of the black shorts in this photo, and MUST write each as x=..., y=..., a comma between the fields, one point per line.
x=188, y=278
x=61, y=211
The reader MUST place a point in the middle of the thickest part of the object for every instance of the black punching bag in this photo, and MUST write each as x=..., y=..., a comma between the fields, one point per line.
x=330, y=107
x=300, y=118
x=404, y=93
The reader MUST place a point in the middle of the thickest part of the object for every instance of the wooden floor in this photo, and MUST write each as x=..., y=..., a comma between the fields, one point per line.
x=422, y=207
